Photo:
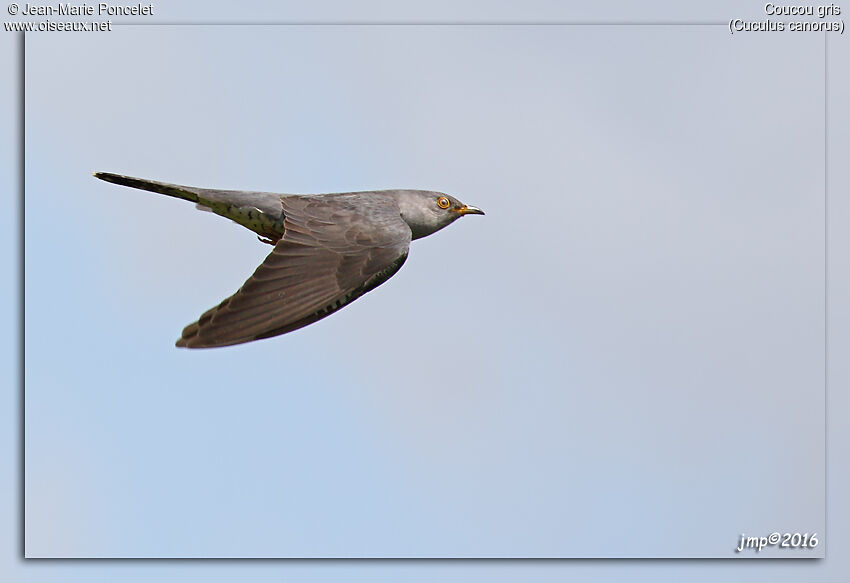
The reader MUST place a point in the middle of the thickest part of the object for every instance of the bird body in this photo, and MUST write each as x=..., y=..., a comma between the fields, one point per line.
x=329, y=249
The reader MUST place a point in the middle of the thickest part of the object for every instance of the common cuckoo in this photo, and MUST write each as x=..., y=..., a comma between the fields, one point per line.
x=329, y=249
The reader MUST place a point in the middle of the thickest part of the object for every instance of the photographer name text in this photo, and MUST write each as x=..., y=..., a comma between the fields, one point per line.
x=100, y=9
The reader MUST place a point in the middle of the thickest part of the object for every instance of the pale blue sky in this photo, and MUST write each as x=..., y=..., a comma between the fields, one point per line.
x=647, y=333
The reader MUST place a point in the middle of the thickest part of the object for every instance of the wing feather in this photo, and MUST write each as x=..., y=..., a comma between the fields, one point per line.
x=335, y=248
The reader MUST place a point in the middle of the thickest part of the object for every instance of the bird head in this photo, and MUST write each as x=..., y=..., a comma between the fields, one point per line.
x=426, y=212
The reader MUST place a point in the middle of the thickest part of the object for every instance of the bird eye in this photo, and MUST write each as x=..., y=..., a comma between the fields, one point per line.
x=443, y=202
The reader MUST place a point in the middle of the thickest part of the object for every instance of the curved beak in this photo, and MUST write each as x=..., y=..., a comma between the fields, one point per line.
x=469, y=210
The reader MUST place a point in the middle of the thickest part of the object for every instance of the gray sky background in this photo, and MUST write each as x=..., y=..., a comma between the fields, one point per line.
x=645, y=327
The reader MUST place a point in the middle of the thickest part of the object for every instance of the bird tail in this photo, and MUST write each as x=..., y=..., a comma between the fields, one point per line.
x=185, y=192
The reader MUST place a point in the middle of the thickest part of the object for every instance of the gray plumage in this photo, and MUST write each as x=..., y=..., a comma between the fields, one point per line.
x=329, y=249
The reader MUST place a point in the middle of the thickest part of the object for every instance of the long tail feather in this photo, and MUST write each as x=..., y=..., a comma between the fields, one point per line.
x=175, y=190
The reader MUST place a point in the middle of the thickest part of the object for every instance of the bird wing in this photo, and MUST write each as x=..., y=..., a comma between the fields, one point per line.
x=335, y=248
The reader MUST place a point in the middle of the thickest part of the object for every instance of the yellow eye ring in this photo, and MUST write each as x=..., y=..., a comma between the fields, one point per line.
x=443, y=202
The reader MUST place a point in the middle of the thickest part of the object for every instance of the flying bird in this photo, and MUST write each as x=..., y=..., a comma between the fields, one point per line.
x=329, y=249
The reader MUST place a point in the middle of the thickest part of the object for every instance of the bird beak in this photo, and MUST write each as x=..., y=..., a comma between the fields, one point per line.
x=469, y=210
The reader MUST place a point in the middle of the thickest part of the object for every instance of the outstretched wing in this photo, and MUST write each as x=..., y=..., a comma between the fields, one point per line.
x=335, y=248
